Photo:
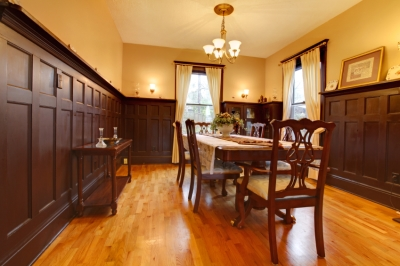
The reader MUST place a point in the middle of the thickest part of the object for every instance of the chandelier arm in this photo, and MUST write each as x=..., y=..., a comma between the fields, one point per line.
x=212, y=60
x=229, y=58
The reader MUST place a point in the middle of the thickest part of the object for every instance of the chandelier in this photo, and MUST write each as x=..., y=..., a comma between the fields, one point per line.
x=218, y=49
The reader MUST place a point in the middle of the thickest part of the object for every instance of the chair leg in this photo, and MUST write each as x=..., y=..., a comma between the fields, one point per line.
x=198, y=195
x=183, y=167
x=191, y=183
x=224, y=192
x=179, y=171
x=318, y=228
x=272, y=236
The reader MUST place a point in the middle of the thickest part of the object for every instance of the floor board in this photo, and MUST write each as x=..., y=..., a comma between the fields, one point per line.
x=155, y=225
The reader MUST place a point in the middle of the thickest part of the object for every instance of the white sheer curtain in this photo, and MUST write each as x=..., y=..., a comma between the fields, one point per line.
x=288, y=80
x=183, y=75
x=310, y=63
x=214, y=84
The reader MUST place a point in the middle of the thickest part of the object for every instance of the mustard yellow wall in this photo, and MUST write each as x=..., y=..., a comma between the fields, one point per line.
x=365, y=26
x=151, y=64
x=86, y=25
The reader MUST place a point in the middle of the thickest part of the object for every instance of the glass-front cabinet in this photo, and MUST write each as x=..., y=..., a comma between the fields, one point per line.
x=254, y=113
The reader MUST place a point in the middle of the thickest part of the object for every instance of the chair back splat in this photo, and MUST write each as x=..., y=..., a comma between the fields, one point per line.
x=257, y=130
x=277, y=191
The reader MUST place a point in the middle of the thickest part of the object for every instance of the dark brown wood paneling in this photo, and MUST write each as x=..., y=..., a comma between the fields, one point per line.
x=79, y=91
x=351, y=107
x=335, y=161
x=97, y=98
x=47, y=79
x=66, y=86
x=372, y=106
x=89, y=95
x=394, y=104
x=19, y=167
x=334, y=108
x=149, y=123
x=18, y=72
x=350, y=143
x=366, y=140
x=371, y=159
x=392, y=148
x=42, y=116
x=44, y=185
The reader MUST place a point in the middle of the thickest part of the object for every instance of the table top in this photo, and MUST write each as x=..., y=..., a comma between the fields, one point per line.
x=92, y=149
x=211, y=148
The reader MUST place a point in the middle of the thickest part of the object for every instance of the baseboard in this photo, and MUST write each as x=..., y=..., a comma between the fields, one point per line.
x=374, y=194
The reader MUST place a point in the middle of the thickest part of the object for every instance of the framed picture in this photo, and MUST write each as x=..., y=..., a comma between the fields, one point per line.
x=361, y=69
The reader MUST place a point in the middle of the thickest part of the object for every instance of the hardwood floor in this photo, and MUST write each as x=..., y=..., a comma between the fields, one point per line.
x=155, y=225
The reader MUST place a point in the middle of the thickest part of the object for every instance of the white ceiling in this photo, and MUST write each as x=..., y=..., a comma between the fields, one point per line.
x=263, y=26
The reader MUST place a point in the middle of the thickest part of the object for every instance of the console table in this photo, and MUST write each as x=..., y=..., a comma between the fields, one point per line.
x=102, y=196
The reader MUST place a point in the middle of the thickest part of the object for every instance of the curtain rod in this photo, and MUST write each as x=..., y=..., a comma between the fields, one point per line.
x=197, y=64
x=312, y=47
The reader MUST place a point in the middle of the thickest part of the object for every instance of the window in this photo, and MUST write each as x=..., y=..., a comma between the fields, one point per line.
x=298, y=101
x=199, y=105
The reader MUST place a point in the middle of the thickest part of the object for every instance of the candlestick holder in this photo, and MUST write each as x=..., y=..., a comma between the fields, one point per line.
x=101, y=143
x=115, y=133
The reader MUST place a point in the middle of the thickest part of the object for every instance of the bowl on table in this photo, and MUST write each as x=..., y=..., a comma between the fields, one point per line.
x=111, y=141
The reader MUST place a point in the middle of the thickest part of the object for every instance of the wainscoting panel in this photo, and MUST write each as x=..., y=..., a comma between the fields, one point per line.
x=149, y=123
x=366, y=140
x=47, y=107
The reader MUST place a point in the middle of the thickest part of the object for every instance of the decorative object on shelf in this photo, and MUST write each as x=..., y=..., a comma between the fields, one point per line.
x=225, y=122
x=393, y=73
x=111, y=141
x=265, y=99
x=332, y=85
x=218, y=49
x=361, y=69
x=245, y=93
x=137, y=89
x=152, y=88
x=115, y=133
x=101, y=143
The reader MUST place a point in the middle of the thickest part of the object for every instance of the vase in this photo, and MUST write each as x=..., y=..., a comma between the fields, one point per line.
x=225, y=130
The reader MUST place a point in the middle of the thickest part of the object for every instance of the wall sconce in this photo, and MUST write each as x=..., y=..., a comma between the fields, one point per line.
x=152, y=88
x=245, y=94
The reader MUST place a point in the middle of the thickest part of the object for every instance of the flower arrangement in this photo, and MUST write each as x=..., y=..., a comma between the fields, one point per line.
x=225, y=119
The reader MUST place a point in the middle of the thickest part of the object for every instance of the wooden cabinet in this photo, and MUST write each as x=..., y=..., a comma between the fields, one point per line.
x=249, y=112
x=365, y=142
x=269, y=112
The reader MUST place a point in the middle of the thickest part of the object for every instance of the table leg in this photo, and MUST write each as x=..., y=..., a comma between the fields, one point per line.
x=129, y=164
x=113, y=184
x=80, y=205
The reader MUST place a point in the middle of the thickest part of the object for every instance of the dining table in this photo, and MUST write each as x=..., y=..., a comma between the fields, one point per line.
x=237, y=148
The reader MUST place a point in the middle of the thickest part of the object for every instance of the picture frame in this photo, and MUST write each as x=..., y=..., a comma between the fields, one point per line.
x=361, y=69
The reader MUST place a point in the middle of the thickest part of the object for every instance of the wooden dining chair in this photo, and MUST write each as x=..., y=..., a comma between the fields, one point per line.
x=184, y=156
x=257, y=130
x=204, y=127
x=275, y=191
x=221, y=171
